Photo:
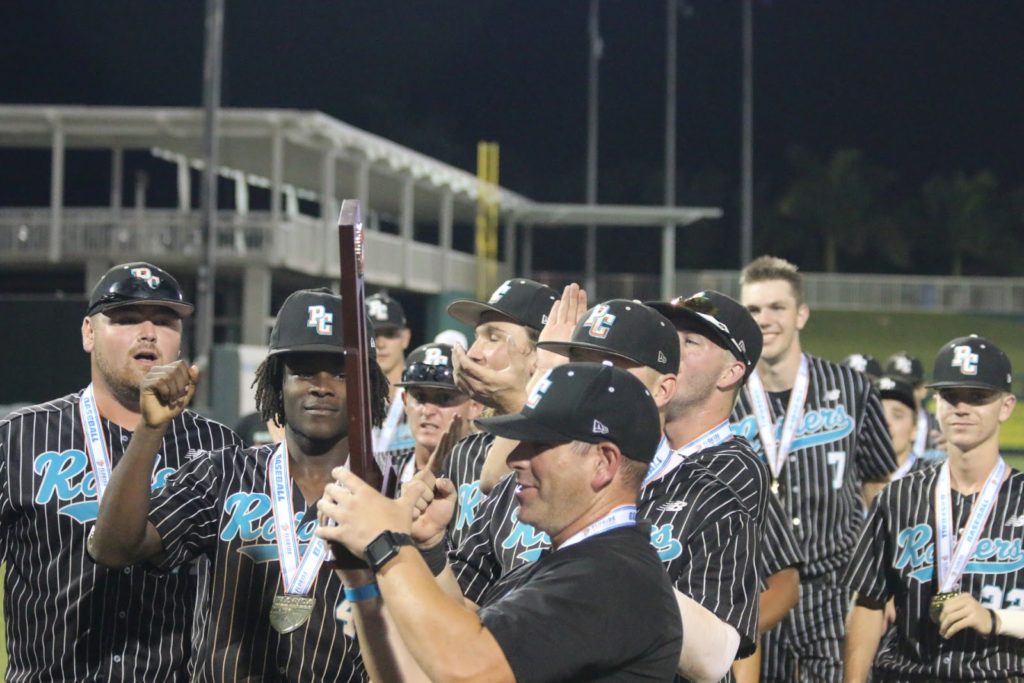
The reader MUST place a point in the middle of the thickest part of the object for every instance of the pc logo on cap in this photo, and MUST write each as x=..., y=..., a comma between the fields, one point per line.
x=972, y=362
x=135, y=284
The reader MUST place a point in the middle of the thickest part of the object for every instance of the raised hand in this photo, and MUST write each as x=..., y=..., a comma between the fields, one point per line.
x=166, y=391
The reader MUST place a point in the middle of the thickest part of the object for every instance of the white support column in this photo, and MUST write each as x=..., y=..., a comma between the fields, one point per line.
x=668, y=262
x=56, y=191
x=510, y=245
x=328, y=210
x=116, y=180
x=241, y=194
x=276, y=173
x=184, y=185
x=256, y=287
x=406, y=226
x=528, y=252
x=445, y=223
x=363, y=189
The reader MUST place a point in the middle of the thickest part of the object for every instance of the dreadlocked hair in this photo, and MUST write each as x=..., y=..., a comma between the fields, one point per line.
x=270, y=402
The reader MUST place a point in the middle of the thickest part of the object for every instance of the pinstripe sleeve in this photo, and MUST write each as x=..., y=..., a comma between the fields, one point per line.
x=721, y=574
x=778, y=547
x=867, y=572
x=474, y=562
x=185, y=511
x=875, y=458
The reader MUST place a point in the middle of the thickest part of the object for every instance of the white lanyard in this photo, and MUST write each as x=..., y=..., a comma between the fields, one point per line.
x=624, y=515
x=905, y=467
x=921, y=437
x=382, y=437
x=774, y=451
x=666, y=460
x=950, y=562
x=297, y=573
x=96, y=445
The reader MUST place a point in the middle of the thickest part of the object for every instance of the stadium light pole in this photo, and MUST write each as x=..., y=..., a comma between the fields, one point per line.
x=668, y=231
x=596, y=48
x=206, y=276
x=747, y=161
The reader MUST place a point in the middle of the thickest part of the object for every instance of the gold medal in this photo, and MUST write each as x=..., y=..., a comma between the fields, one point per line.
x=289, y=612
x=940, y=599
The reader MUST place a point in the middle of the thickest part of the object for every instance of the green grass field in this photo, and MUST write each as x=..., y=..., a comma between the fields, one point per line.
x=835, y=335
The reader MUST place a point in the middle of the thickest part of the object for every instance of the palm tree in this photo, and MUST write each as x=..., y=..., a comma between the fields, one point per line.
x=965, y=213
x=838, y=199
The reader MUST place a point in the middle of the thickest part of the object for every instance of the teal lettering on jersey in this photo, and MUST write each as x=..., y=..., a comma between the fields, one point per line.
x=469, y=499
x=68, y=475
x=532, y=541
x=915, y=550
x=668, y=548
x=816, y=428
x=250, y=519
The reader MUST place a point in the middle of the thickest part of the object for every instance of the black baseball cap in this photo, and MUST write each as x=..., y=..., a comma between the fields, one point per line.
x=627, y=329
x=429, y=366
x=386, y=313
x=589, y=402
x=309, y=321
x=862, y=362
x=972, y=362
x=524, y=302
x=721, y=319
x=907, y=366
x=897, y=388
x=138, y=283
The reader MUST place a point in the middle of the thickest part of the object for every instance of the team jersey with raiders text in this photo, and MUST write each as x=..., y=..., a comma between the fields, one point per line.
x=840, y=442
x=219, y=505
x=895, y=558
x=463, y=468
x=699, y=528
x=69, y=619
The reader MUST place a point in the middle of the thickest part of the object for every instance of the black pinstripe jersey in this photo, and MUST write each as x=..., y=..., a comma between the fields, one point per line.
x=778, y=548
x=895, y=558
x=841, y=441
x=219, y=506
x=699, y=528
x=738, y=467
x=69, y=619
x=463, y=468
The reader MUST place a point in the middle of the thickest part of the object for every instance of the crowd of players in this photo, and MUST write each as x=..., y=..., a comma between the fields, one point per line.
x=670, y=490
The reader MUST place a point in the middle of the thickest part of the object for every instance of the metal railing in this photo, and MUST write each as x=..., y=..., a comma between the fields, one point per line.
x=833, y=291
x=172, y=237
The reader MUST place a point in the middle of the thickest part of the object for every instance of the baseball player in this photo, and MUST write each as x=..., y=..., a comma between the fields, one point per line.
x=431, y=401
x=720, y=345
x=494, y=371
x=597, y=607
x=701, y=530
x=928, y=439
x=900, y=406
x=67, y=618
x=821, y=429
x=945, y=544
x=275, y=612
x=391, y=336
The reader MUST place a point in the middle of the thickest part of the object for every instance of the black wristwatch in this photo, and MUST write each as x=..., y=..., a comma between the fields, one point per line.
x=383, y=549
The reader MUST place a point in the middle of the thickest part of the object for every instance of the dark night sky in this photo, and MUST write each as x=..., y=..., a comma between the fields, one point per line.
x=923, y=87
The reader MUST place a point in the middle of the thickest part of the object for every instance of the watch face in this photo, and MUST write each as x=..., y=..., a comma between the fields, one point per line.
x=380, y=550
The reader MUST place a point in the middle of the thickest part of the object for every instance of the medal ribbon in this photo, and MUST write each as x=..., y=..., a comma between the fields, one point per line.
x=624, y=515
x=950, y=562
x=297, y=572
x=905, y=467
x=95, y=444
x=774, y=451
x=921, y=437
x=666, y=460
